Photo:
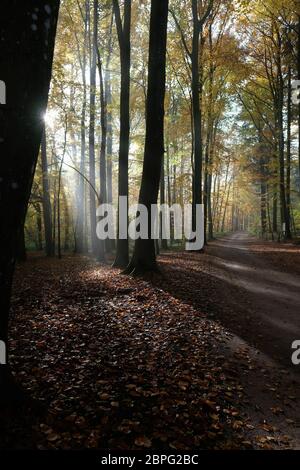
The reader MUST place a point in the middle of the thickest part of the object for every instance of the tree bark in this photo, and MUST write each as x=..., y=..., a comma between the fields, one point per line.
x=92, y=171
x=144, y=257
x=288, y=146
x=26, y=53
x=298, y=73
x=80, y=231
x=164, y=243
x=122, y=254
x=46, y=199
x=197, y=114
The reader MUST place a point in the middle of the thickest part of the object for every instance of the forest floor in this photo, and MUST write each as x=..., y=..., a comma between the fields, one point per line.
x=198, y=356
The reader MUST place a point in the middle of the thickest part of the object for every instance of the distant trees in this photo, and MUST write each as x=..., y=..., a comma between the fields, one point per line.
x=27, y=32
x=267, y=100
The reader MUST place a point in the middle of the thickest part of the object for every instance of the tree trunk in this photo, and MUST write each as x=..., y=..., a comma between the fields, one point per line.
x=197, y=115
x=298, y=73
x=109, y=129
x=39, y=244
x=26, y=55
x=103, y=121
x=144, y=258
x=164, y=242
x=80, y=232
x=288, y=146
x=92, y=176
x=279, y=111
x=122, y=254
x=66, y=221
x=46, y=199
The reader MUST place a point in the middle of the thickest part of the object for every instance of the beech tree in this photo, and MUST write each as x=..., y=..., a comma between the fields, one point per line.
x=46, y=199
x=27, y=31
x=144, y=257
x=123, y=30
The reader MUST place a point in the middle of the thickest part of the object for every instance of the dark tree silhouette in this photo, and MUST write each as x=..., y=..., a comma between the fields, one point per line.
x=123, y=30
x=27, y=31
x=144, y=257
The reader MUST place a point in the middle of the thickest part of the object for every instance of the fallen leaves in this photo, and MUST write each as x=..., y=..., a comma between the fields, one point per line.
x=143, y=441
x=120, y=363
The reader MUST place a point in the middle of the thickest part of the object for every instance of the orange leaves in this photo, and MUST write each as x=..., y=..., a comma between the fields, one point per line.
x=136, y=367
x=143, y=441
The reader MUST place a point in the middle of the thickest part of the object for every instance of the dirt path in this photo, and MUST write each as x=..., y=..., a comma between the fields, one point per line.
x=273, y=296
x=253, y=289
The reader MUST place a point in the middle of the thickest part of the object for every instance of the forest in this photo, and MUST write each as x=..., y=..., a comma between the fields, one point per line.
x=122, y=341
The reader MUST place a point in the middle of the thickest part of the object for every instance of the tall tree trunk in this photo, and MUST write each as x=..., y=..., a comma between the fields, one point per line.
x=92, y=176
x=103, y=121
x=263, y=206
x=288, y=145
x=144, y=258
x=109, y=128
x=197, y=115
x=164, y=243
x=196, y=54
x=59, y=190
x=109, y=162
x=263, y=184
x=39, y=244
x=122, y=254
x=46, y=199
x=80, y=231
x=26, y=55
x=66, y=221
x=281, y=147
x=298, y=73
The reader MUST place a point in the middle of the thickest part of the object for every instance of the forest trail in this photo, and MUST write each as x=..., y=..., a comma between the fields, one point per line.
x=108, y=354
x=252, y=288
x=271, y=297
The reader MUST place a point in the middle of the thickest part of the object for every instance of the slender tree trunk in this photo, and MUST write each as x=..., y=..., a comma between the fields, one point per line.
x=80, y=231
x=164, y=243
x=46, y=199
x=288, y=146
x=103, y=119
x=109, y=129
x=279, y=108
x=144, y=258
x=225, y=209
x=66, y=221
x=59, y=190
x=92, y=176
x=39, y=244
x=298, y=73
x=54, y=217
x=122, y=254
x=263, y=207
